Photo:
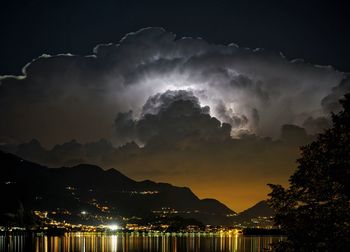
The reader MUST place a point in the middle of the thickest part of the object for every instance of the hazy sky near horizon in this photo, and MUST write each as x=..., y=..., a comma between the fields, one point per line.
x=211, y=109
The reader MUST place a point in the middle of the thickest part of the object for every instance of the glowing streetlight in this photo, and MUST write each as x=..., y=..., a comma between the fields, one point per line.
x=113, y=227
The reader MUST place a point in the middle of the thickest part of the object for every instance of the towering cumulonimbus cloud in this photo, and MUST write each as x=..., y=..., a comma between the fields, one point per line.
x=67, y=96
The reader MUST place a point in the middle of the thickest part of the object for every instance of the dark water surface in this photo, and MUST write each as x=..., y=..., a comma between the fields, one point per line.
x=96, y=242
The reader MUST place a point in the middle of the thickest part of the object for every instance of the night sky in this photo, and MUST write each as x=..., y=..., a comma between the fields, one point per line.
x=213, y=95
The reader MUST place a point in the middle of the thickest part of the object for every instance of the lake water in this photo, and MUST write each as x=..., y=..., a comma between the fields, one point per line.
x=138, y=242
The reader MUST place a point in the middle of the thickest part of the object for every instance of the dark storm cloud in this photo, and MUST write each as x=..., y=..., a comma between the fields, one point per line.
x=125, y=128
x=293, y=133
x=161, y=101
x=69, y=96
x=170, y=117
x=331, y=102
x=316, y=125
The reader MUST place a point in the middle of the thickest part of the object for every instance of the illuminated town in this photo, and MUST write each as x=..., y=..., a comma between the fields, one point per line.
x=54, y=223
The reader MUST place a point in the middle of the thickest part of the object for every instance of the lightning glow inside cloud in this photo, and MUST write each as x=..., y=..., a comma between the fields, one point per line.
x=253, y=90
x=181, y=98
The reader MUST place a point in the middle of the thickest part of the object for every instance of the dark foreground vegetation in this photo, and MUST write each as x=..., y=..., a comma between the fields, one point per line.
x=314, y=211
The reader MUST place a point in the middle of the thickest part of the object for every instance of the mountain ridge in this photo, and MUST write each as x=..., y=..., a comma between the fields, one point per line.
x=74, y=188
x=259, y=209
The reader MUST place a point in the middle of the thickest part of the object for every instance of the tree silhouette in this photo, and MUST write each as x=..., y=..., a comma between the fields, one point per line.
x=315, y=210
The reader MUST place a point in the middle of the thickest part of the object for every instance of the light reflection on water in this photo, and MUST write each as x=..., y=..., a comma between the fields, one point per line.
x=96, y=242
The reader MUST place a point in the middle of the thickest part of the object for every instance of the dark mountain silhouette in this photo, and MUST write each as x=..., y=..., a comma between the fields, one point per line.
x=84, y=186
x=259, y=209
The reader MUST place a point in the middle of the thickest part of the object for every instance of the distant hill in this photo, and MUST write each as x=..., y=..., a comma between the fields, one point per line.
x=88, y=187
x=259, y=209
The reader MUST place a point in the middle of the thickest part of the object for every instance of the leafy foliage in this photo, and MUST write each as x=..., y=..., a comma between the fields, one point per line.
x=315, y=210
